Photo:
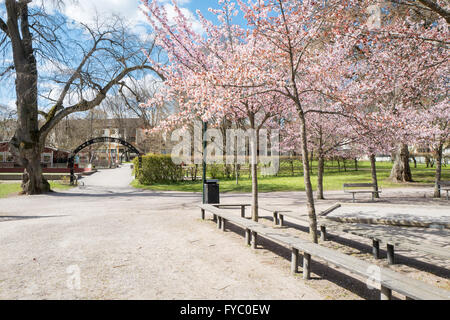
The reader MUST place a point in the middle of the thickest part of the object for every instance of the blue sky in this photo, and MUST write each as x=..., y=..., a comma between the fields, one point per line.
x=84, y=11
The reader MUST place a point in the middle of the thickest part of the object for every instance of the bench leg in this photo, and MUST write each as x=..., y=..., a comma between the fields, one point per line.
x=294, y=261
x=254, y=240
x=390, y=254
x=323, y=233
x=376, y=249
x=219, y=223
x=242, y=211
x=353, y=197
x=248, y=237
x=203, y=214
x=386, y=293
x=306, y=266
x=281, y=220
x=214, y=218
x=223, y=226
x=275, y=219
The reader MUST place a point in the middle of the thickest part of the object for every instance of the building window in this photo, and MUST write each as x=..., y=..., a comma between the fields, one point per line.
x=47, y=158
x=9, y=157
x=2, y=157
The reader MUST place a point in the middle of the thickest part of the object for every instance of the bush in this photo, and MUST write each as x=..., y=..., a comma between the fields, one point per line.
x=157, y=168
x=215, y=171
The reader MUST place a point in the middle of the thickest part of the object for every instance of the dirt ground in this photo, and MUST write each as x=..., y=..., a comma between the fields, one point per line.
x=109, y=241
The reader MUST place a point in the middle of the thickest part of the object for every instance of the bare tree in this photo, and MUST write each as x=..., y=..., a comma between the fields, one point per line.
x=7, y=123
x=87, y=64
x=129, y=100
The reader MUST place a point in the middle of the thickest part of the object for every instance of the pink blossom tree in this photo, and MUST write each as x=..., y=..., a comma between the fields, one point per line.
x=213, y=77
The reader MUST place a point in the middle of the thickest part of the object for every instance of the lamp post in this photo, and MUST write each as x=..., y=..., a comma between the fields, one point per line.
x=205, y=128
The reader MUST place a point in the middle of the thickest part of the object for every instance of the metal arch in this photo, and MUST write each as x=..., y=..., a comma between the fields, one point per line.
x=101, y=140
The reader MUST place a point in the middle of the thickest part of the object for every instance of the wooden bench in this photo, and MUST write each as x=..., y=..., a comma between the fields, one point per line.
x=378, y=235
x=387, y=280
x=361, y=188
x=290, y=214
x=234, y=205
x=278, y=215
x=444, y=186
x=367, y=231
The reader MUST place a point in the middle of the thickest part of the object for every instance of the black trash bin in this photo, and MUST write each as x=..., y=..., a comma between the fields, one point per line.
x=211, y=195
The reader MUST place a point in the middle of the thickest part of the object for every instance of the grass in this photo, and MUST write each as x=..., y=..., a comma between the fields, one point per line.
x=333, y=180
x=9, y=189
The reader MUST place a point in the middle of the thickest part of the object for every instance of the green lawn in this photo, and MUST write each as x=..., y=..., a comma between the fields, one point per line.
x=8, y=189
x=333, y=180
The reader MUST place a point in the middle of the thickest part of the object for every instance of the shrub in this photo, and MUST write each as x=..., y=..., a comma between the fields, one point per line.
x=158, y=168
x=215, y=171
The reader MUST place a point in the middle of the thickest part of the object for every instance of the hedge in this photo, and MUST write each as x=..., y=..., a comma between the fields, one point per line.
x=158, y=168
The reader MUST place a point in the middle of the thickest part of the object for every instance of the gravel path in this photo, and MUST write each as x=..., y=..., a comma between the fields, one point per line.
x=109, y=241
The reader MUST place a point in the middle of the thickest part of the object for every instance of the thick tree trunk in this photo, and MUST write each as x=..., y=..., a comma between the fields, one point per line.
x=33, y=182
x=437, y=190
x=320, y=173
x=401, y=172
x=307, y=178
x=27, y=143
x=373, y=168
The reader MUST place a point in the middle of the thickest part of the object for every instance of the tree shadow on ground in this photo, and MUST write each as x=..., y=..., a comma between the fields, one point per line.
x=322, y=271
x=400, y=259
x=16, y=218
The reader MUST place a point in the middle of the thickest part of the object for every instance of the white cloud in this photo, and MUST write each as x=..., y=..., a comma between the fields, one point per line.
x=171, y=14
x=85, y=11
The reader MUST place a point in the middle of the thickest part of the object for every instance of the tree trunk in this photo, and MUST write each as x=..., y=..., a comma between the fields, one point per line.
x=33, y=182
x=437, y=190
x=254, y=167
x=194, y=177
x=415, y=162
x=401, y=172
x=307, y=178
x=27, y=143
x=292, y=167
x=356, y=164
x=321, y=167
x=373, y=168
